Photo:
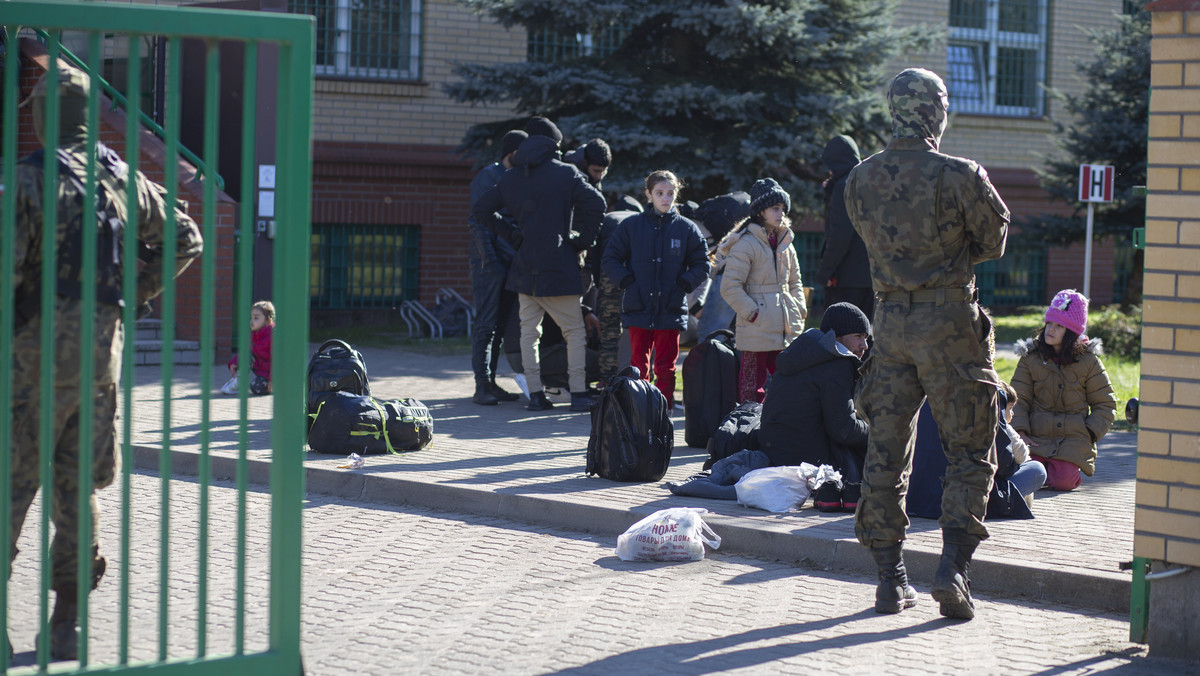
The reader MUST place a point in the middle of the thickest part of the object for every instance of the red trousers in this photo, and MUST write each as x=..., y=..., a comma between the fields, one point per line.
x=756, y=366
x=665, y=344
x=1060, y=474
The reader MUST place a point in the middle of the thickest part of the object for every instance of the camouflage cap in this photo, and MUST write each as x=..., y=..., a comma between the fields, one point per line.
x=918, y=102
x=71, y=82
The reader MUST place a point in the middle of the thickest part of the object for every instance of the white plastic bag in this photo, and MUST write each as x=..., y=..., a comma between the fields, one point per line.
x=676, y=534
x=775, y=489
x=230, y=386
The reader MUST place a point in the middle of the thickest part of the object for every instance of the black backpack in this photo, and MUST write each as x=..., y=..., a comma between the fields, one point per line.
x=738, y=432
x=632, y=435
x=336, y=367
x=351, y=423
x=710, y=386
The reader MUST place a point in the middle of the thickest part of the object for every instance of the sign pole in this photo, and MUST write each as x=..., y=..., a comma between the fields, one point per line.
x=1087, y=253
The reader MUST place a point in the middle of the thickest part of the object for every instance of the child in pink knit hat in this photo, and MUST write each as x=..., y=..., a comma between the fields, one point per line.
x=1065, y=401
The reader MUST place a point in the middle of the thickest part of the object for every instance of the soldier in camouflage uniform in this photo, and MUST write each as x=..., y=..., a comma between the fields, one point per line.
x=112, y=175
x=927, y=219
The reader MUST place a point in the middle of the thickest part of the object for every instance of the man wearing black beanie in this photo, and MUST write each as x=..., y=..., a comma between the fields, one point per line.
x=808, y=415
x=557, y=215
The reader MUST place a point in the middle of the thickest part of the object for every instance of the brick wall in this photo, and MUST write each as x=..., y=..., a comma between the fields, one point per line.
x=1167, y=518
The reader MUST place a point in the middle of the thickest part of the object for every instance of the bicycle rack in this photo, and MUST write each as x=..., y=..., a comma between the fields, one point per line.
x=414, y=315
x=452, y=296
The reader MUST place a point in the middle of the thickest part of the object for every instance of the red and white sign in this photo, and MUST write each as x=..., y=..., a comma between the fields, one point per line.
x=1095, y=183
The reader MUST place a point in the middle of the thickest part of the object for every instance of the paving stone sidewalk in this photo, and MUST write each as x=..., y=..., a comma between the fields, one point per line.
x=507, y=462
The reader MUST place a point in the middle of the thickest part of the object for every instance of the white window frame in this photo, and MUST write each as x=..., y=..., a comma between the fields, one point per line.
x=987, y=42
x=343, y=31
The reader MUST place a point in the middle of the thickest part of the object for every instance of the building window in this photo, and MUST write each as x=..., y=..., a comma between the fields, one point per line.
x=996, y=57
x=363, y=266
x=548, y=46
x=368, y=39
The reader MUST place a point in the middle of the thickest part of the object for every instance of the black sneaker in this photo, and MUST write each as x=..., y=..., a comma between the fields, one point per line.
x=539, y=402
x=850, y=495
x=483, y=397
x=501, y=394
x=828, y=496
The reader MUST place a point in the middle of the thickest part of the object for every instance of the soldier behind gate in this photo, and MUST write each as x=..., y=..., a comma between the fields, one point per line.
x=70, y=163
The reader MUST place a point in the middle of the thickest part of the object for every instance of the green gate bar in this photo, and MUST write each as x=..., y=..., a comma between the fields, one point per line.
x=294, y=37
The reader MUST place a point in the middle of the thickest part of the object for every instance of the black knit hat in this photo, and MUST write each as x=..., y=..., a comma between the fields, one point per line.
x=844, y=319
x=510, y=142
x=766, y=193
x=540, y=126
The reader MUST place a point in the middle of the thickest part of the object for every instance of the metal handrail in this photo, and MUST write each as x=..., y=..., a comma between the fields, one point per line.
x=119, y=99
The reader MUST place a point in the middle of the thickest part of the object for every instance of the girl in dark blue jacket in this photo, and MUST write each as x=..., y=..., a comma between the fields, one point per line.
x=657, y=257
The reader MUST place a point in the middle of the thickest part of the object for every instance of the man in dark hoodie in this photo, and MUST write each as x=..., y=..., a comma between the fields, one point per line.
x=845, y=270
x=593, y=159
x=557, y=214
x=927, y=219
x=808, y=415
x=490, y=257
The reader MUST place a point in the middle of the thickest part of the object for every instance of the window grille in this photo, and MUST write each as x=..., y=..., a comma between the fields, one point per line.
x=363, y=266
x=368, y=39
x=1019, y=278
x=996, y=56
x=548, y=46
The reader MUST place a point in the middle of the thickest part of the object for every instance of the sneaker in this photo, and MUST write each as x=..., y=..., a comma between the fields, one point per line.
x=581, y=401
x=483, y=397
x=828, y=496
x=850, y=496
x=501, y=394
x=539, y=402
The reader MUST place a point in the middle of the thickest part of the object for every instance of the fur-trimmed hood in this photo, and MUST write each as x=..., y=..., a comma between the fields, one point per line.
x=1026, y=345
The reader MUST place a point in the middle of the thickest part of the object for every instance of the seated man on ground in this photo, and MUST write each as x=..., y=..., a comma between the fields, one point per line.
x=808, y=415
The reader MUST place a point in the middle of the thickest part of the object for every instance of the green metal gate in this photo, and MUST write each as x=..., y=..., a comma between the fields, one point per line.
x=143, y=645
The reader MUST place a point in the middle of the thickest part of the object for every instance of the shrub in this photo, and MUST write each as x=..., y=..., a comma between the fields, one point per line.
x=1120, y=331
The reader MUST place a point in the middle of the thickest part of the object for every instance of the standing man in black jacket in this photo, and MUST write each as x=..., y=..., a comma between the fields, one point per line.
x=490, y=258
x=845, y=269
x=557, y=214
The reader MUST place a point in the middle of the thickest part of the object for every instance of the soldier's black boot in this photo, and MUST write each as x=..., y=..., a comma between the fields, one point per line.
x=894, y=593
x=502, y=394
x=951, y=584
x=483, y=395
x=64, y=623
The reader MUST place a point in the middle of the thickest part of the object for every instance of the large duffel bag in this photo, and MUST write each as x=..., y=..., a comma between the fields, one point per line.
x=632, y=434
x=351, y=423
x=710, y=386
x=335, y=367
x=737, y=432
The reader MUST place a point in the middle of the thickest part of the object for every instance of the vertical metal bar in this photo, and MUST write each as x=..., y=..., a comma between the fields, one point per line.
x=171, y=174
x=87, y=352
x=1139, y=601
x=245, y=258
x=8, y=205
x=46, y=365
x=129, y=292
x=212, y=99
x=294, y=160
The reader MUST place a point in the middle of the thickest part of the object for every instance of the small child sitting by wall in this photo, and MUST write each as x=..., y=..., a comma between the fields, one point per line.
x=262, y=324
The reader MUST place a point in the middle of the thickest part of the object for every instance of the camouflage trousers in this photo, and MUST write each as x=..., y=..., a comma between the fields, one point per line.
x=941, y=352
x=64, y=441
x=609, y=314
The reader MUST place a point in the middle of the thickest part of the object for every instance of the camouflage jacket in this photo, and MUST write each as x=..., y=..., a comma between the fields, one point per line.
x=927, y=218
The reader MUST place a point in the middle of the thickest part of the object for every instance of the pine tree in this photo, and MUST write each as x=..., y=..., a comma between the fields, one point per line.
x=1110, y=126
x=722, y=92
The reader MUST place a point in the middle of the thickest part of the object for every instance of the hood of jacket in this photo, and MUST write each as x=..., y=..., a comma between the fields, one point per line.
x=841, y=155
x=1027, y=346
x=810, y=349
x=535, y=150
x=918, y=101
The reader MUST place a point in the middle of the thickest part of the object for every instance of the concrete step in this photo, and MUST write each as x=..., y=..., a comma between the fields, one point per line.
x=148, y=329
x=149, y=352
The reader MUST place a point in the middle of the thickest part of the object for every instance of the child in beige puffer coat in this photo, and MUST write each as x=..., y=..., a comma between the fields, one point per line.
x=762, y=285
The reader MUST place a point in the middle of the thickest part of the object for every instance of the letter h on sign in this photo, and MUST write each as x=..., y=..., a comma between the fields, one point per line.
x=1095, y=183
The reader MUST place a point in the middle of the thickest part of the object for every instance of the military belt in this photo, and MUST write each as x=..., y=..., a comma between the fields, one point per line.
x=940, y=296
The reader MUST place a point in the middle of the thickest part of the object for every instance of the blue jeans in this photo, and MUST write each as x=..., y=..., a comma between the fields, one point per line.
x=492, y=307
x=1029, y=477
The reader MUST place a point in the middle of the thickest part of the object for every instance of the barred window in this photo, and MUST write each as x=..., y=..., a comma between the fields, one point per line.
x=369, y=39
x=996, y=56
x=548, y=46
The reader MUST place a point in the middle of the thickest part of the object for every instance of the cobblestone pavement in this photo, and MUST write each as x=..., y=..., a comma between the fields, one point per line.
x=408, y=590
x=505, y=461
